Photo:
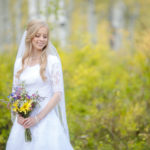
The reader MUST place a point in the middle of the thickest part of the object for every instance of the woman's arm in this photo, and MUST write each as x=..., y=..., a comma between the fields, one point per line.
x=50, y=105
x=30, y=121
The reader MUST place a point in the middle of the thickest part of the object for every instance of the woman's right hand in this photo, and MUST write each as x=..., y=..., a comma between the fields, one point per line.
x=20, y=119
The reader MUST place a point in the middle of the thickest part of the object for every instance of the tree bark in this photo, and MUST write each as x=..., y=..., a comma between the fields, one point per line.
x=117, y=23
x=92, y=22
x=5, y=24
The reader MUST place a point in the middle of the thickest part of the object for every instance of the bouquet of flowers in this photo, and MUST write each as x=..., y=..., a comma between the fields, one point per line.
x=23, y=104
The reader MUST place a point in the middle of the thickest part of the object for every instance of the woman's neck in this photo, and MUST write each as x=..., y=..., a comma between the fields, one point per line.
x=36, y=53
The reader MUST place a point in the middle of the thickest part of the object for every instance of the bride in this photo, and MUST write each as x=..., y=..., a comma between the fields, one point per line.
x=39, y=66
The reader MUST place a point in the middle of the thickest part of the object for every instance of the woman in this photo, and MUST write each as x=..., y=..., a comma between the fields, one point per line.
x=40, y=68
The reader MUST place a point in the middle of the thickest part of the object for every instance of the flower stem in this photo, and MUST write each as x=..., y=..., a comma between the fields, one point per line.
x=28, y=137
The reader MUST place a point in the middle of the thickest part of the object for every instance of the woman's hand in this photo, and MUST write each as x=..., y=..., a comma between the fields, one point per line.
x=29, y=122
x=20, y=119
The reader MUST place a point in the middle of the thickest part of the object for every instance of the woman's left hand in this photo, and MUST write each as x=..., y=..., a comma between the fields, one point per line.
x=29, y=122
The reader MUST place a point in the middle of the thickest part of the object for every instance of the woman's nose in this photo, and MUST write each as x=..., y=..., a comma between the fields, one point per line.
x=41, y=38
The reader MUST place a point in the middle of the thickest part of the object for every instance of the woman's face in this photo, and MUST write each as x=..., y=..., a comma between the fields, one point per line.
x=40, y=39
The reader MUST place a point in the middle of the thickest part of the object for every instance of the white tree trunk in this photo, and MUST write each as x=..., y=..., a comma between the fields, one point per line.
x=18, y=20
x=68, y=13
x=43, y=7
x=5, y=24
x=1, y=25
x=131, y=26
x=62, y=24
x=33, y=9
x=59, y=21
x=92, y=22
x=117, y=23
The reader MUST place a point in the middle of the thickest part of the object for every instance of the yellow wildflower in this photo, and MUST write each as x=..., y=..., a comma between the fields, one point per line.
x=15, y=106
x=25, y=107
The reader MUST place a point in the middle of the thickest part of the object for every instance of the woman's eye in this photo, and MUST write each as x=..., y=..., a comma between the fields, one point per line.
x=37, y=35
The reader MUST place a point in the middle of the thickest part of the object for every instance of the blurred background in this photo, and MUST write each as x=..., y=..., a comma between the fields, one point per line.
x=104, y=46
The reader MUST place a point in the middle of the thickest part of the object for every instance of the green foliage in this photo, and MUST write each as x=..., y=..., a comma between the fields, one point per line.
x=6, y=67
x=107, y=96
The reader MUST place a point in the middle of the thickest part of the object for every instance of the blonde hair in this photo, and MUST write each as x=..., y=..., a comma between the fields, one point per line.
x=32, y=28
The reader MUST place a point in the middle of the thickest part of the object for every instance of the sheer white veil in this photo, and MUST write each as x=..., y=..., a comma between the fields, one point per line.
x=60, y=107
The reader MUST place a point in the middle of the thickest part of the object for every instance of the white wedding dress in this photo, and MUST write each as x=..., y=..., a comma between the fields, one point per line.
x=48, y=134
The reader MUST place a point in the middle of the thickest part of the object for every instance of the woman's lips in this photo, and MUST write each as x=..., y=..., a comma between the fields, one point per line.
x=40, y=44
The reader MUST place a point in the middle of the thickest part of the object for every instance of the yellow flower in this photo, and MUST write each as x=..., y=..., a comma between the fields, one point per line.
x=15, y=106
x=25, y=107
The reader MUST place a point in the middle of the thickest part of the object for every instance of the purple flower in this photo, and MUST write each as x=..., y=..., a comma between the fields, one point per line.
x=18, y=97
x=12, y=94
x=28, y=96
x=14, y=98
x=32, y=104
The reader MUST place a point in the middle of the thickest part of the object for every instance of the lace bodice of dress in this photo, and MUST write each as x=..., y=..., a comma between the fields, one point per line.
x=31, y=76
